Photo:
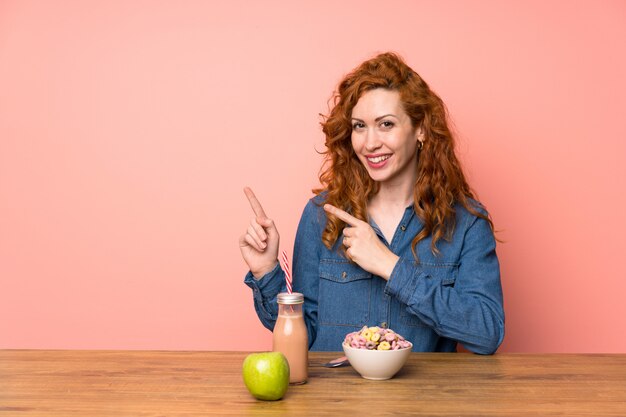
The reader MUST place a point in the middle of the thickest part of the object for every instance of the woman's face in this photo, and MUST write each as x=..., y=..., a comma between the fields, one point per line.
x=384, y=138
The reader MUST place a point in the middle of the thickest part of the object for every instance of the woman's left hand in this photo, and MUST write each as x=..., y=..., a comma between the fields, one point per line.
x=363, y=245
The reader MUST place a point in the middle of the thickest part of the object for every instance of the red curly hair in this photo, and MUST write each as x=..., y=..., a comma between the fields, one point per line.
x=440, y=180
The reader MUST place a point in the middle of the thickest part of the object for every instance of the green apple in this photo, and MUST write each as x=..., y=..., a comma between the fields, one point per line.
x=266, y=375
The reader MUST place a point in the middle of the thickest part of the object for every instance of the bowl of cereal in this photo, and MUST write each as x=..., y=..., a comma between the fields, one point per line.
x=376, y=353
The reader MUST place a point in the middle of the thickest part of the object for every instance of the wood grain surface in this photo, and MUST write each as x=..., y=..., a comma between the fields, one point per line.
x=155, y=383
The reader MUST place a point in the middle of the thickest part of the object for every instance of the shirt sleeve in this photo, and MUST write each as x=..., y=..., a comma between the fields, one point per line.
x=306, y=261
x=469, y=311
x=264, y=293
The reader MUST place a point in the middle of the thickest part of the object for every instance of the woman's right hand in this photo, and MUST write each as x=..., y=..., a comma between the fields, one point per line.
x=259, y=245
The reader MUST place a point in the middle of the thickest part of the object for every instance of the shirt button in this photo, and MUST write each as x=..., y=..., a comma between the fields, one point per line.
x=344, y=274
x=383, y=324
x=403, y=228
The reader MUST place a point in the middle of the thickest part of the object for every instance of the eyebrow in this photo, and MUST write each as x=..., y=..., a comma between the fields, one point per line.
x=378, y=118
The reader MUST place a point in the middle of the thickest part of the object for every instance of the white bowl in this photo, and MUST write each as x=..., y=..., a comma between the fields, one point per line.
x=377, y=364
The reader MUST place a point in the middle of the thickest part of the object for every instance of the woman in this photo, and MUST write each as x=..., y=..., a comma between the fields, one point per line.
x=395, y=237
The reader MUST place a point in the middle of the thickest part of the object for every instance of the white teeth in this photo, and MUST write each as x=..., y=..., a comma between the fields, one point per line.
x=378, y=158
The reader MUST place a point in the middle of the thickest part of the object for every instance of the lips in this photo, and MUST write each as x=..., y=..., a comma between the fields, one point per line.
x=377, y=161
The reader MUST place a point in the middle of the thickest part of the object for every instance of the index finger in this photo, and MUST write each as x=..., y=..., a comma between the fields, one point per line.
x=254, y=203
x=346, y=217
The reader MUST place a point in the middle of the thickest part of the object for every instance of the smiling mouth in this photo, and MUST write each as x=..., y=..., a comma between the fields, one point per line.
x=378, y=159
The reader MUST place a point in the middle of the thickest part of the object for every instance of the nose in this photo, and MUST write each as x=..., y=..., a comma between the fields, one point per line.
x=372, y=140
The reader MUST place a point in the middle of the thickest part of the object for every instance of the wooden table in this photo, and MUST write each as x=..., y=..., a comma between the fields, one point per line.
x=149, y=383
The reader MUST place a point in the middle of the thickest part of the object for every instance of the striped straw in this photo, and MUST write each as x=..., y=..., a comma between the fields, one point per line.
x=284, y=264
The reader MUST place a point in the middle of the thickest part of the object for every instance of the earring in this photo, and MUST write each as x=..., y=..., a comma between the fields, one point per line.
x=421, y=145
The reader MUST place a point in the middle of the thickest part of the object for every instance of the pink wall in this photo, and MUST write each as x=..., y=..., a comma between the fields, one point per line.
x=128, y=129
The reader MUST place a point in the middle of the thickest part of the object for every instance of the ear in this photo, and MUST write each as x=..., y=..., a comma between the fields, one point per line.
x=419, y=134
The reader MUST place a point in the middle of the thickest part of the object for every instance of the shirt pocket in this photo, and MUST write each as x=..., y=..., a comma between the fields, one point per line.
x=344, y=293
x=444, y=275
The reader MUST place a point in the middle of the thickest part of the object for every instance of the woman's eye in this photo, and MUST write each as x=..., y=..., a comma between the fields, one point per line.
x=357, y=125
x=387, y=124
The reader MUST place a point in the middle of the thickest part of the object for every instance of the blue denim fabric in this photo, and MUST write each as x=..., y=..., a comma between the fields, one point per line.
x=452, y=297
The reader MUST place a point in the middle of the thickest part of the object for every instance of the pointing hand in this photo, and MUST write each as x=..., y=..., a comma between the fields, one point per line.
x=259, y=245
x=363, y=245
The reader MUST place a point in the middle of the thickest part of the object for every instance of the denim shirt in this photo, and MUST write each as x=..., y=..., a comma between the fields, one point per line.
x=455, y=296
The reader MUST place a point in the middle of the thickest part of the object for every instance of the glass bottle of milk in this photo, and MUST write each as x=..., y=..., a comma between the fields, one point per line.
x=290, y=336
